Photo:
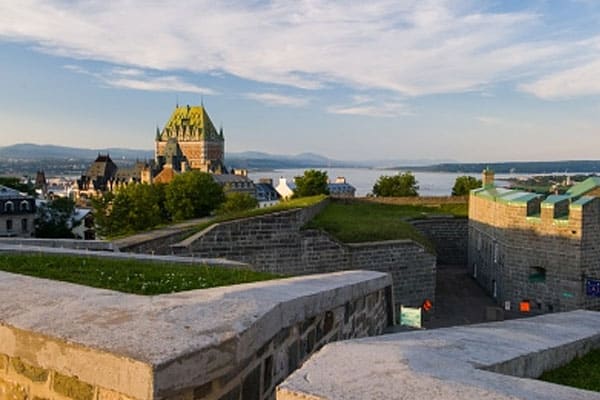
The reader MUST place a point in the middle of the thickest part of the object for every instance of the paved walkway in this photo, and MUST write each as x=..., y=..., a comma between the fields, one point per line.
x=459, y=300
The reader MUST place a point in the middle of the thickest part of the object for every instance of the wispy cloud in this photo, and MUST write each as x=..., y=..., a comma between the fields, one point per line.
x=278, y=99
x=131, y=78
x=412, y=48
x=369, y=106
x=488, y=120
x=574, y=82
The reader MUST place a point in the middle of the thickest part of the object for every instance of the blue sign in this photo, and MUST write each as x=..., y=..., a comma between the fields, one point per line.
x=592, y=288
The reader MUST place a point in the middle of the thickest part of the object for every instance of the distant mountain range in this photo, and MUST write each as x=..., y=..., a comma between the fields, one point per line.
x=254, y=160
x=24, y=158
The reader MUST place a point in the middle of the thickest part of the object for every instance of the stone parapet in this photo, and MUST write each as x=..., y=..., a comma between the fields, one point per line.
x=486, y=361
x=63, y=341
x=449, y=236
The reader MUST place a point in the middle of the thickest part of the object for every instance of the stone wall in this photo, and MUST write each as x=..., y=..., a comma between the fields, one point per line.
x=92, y=245
x=417, y=201
x=276, y=243
x=229, y=343
x=449, y=236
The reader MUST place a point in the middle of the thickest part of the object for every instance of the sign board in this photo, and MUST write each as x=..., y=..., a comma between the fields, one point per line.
x=410, y=316
x=592, y=287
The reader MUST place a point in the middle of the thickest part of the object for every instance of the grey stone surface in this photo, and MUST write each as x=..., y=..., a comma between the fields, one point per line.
x=187, y=338
x=96, y=245
x=451, y=363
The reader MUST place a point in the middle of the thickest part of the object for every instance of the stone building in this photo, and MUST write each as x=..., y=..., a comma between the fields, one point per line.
x=190, y=137
x=17, y=213
x=534, y=251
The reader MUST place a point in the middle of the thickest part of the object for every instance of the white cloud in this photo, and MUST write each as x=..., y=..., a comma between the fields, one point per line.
x=131, y=78
x=278, y=99
x=412, y=47
x=487, y=120
x=365, y=105
x=579, y=81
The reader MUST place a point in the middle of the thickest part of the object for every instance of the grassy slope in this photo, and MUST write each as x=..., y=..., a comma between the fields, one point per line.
x=129, y=276
x=583, y=373
x=355, y=222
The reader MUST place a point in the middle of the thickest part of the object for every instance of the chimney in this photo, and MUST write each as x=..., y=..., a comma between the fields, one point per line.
x=487, y=178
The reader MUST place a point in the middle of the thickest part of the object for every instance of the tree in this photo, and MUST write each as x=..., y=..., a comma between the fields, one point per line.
x=237, y=202
x=400, y=185
x=55, y=219
x=192, y=194
x=15, y=183
x=464, y=184
x=312, y=183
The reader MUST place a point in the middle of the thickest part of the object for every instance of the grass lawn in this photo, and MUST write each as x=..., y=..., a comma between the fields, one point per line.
x=129, y=276
x=582, y=373
x=355, y=221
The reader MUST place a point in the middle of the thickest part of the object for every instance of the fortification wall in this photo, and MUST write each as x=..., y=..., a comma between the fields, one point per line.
x=534, y=251
x=449, y=236
x=234, y=342
x=417, y=201
x=276, y=243
x=92, y=245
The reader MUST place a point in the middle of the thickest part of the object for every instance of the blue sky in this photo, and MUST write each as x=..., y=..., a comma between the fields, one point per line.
x=463, y=80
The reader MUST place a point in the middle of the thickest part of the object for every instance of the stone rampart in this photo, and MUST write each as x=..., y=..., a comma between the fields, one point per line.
x=276, y=243
x=68, y=342
x=91, y=245
x=485, y=361
x=449, y=236
x=417, y=201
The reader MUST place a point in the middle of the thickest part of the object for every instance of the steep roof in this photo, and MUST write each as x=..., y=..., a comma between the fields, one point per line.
x=9, y=193
x=194, y=117
x=584, y=187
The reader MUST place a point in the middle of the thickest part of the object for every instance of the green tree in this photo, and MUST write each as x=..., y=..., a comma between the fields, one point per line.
x=464, y=184
x=400, y=185
x=237, y=202
x=15, y=183
x=192, y=195
x=132, y=208
x=55, y=219
x=312, y=183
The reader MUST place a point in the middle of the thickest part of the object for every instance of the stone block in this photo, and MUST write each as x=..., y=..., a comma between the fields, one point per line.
x=72, y=387
x=33, y=373
x=12, y=391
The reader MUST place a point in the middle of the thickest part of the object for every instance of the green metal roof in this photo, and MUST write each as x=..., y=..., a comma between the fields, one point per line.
x=581, y=201
x=502, y=195
x=584, y=187
x=551, y=200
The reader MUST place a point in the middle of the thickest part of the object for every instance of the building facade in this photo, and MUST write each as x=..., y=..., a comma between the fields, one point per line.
x=17, y=213
x=536, y=251
x=190, y=137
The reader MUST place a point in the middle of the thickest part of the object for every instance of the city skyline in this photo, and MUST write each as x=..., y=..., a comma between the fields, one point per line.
x=460, y=80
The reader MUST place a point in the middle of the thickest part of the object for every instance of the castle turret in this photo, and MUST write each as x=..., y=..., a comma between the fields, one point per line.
x=487, y=178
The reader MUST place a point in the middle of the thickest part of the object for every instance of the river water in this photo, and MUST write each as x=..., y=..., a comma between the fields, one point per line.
x=363, y=179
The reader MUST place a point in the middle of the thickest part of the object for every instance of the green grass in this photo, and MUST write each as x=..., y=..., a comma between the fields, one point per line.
x=582, y=373
x=282, y=206
x=129, y=276
x=355, y=221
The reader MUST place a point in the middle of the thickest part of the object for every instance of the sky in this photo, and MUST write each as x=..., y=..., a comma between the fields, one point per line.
x=352, y=80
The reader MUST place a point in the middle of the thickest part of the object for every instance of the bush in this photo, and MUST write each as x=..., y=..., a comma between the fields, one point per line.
x=312, y=183
x=401, y=185
x=464, y=184
x=237, y=202
x=192, y=195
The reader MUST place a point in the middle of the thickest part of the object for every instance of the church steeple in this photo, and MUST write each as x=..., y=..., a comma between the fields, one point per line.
x=157, y=133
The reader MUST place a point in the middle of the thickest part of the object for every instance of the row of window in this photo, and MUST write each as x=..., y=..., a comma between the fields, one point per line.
x=24, y=225
x=9, y=206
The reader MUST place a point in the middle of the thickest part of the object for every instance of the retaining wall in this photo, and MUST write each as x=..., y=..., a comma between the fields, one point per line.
x=449, y=236
x=92, y=245
x=62, y=341
x=276, y=243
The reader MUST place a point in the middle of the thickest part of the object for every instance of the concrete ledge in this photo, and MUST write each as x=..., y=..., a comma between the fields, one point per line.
x=92, y=245
x=451, y=363
x=154, y=347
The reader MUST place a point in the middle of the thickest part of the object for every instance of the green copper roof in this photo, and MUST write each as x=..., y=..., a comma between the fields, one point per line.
x=502, y=195
x=192, y=118
x=584, y=187
x=581, y=201
x=551, y=200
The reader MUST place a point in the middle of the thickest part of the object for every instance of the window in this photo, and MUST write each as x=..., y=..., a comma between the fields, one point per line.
x=9, y=225
x=474, y=270
x=9, y=206
x=494, y=289
x=496, y=252
x=537, y=274
x=24, y=205
x=24, y=225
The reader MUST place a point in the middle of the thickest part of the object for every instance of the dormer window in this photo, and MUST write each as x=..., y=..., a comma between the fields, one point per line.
x=9, y=206
x=24, y=205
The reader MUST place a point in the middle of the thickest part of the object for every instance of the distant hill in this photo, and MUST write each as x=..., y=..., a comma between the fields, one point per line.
x=520, y=167
x=30, y=151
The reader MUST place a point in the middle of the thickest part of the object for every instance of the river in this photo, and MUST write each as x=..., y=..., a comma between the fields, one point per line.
x=363, y=179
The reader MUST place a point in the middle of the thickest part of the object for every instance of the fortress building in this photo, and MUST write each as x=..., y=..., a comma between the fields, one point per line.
x=536, y=252
x=190, y=140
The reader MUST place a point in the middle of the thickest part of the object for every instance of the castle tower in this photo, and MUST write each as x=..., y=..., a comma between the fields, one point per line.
x=487, y=178
x=201, y=146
